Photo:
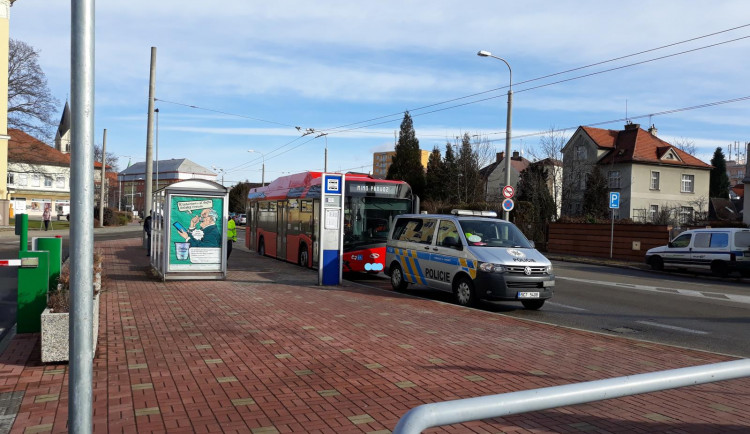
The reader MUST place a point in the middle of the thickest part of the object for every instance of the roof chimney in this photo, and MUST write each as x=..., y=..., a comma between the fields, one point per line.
x=631, y=126
x=516, y=156
x=499, y=156
x=652, y=129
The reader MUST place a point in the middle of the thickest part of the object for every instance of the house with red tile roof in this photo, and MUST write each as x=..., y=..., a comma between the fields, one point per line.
x=38, y=175
x=651, y=175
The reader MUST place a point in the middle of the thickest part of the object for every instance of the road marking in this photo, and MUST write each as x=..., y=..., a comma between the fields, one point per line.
x=566, y=306
x=681, y=329
x=745, y=299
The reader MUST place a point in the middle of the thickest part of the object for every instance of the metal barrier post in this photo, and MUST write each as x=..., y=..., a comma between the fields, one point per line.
x=486, y=407
x=22, y=229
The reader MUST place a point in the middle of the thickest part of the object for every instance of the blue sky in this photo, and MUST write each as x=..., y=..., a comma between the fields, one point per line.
x=255, y=70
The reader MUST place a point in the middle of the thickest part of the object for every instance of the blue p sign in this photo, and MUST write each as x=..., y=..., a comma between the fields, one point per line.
x=614, y=200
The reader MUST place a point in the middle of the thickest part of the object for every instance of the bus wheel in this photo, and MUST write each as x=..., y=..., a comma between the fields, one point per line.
x=261, y=248
x=304, y=259
x=463, y=290
x=397, y=279
x=533, y=304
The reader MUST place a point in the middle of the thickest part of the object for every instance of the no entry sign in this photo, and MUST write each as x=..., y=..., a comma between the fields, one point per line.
x=508, y=191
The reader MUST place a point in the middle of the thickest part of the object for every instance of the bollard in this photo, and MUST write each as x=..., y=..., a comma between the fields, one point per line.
x=22, y=229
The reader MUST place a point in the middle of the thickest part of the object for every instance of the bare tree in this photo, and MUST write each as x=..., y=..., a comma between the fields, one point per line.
x=550, y=148
x=685, y=144
x=30, y=103
x=484, y=150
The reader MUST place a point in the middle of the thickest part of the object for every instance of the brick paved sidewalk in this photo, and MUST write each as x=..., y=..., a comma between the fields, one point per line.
x=268, y=351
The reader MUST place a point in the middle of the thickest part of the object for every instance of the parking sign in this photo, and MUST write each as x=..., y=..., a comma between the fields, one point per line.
x=614, y=200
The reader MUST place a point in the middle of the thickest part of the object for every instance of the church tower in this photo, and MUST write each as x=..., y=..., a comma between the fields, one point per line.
x=62, y=138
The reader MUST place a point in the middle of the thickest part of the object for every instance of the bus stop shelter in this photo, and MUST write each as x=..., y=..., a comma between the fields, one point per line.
x=189, y=230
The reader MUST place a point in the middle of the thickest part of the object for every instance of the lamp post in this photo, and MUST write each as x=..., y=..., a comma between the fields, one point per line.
x=119, y=185
x=483, y=53
x=263, y=169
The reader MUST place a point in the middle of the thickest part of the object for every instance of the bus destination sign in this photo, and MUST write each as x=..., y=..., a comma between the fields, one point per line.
x=378, y=190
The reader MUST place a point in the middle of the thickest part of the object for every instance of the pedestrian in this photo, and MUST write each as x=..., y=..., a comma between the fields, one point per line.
x=147, y=229
x=47, y=215
x=231, y=235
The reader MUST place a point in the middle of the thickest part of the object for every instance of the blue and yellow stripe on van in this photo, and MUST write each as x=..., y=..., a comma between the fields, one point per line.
x=469, y=266
x=409, y=260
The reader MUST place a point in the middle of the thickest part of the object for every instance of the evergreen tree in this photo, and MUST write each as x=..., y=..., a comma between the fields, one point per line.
x=238, y=197
x=451, y=172
x=596, y=195
x=719, y=180
x=468, y=165
x=435, y=182
x=407, y=163
x=533, y=188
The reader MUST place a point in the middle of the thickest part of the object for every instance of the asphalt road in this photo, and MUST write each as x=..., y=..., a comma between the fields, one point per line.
x=693, y=311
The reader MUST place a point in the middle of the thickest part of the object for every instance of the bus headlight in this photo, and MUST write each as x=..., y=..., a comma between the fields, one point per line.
x=489, y=267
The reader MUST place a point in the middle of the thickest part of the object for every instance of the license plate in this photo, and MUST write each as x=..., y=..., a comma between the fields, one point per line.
x=547, y=283
x=528, y=295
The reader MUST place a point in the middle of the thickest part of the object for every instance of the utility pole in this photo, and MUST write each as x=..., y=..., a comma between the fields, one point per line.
x=150, y=138
x=104, y=178
x=80, y=390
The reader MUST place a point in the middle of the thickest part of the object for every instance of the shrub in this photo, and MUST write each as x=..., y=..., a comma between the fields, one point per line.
x=58, y=300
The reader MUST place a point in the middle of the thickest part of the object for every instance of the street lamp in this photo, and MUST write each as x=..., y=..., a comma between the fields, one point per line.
x=483, y=53
x=325, y=162
x=263, y=170
x=222, y=173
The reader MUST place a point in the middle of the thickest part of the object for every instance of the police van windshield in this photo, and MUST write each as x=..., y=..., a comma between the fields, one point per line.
x=486, y=233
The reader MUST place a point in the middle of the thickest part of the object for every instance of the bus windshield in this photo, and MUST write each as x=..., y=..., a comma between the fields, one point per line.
x=367, y=220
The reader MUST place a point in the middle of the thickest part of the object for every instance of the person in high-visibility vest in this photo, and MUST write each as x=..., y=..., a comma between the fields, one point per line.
x=231, y=235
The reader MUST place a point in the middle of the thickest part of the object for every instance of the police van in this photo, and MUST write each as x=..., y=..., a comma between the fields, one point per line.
x=720, y=250
x=472, y=254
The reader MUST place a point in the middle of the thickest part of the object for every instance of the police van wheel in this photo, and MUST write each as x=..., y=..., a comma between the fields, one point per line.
x=397, y=279
x=719, y=268
x=463, y=290
x=656, y=263
x=303, y=258
x=533, y=304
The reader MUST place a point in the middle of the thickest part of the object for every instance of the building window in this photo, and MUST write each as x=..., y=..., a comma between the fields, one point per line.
x=687, y=184
x=60, y=182
x=614, y=179
x=23, y=179
x=35, y=180
x=581, y=152
x=653, y=212
x=47, y=181
x=686, y=214
x=11, y=178
x=654, y=180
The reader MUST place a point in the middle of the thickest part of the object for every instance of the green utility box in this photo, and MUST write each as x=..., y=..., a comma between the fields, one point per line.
x=33, y=283
x=54, y=247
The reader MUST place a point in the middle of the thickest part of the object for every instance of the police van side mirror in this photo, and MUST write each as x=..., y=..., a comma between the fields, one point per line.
x=670, y=244
x=533, y=244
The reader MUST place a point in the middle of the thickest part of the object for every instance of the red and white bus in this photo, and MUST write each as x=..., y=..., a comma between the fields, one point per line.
x=283, y=218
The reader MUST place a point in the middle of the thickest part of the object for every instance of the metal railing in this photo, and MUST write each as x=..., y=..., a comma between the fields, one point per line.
x=486, y=407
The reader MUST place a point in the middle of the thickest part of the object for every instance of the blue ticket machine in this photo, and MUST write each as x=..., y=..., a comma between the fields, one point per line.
x=331, y=229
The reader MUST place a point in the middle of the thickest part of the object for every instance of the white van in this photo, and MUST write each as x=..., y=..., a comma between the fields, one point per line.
x=469, y=253
x=721, y=250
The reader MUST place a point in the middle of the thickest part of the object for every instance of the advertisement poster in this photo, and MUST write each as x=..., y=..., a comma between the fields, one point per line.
x=196, y=233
